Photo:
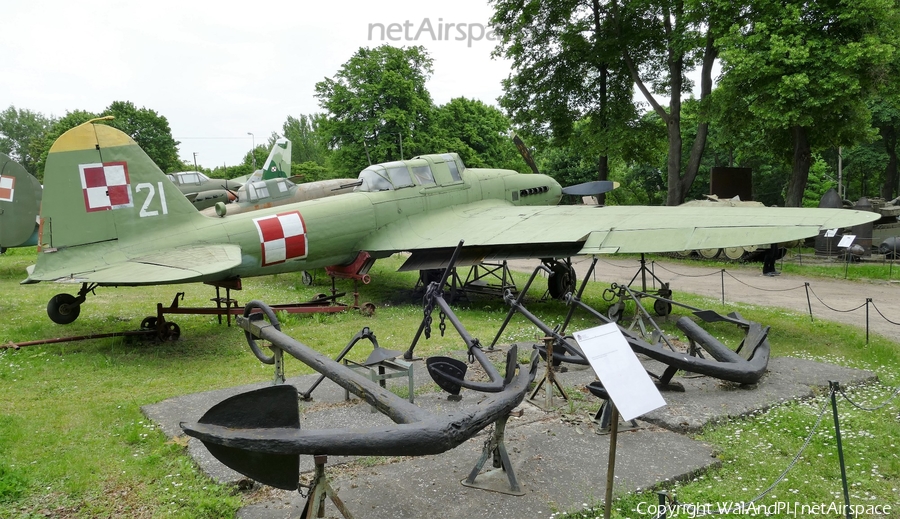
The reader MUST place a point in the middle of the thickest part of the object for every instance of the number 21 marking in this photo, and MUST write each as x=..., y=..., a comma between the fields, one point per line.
x=152, y=192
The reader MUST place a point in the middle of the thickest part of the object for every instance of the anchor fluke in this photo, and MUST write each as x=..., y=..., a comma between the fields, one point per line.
x=267, y=408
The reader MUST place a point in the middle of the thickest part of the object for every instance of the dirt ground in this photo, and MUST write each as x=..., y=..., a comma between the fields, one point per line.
x=835, y=300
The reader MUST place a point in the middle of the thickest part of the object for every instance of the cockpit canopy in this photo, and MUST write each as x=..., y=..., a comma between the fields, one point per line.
x=418, y=171
x=183, y=178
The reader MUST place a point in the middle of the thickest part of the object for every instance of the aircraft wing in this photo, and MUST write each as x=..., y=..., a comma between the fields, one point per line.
x=180, y=264
x=494, y=230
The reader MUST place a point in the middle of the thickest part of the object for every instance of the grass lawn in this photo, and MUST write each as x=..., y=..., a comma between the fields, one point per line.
x=73, y=442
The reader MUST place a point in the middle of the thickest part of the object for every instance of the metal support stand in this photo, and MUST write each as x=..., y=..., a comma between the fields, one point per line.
x=604, y=415
x=378, y=372
x=494, y=447
x=319, y=489
x=550, y=379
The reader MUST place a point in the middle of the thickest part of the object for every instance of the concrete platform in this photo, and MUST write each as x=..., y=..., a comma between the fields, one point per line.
x=558, y=458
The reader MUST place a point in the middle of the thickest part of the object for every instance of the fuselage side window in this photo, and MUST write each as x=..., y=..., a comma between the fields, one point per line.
x=423, y=175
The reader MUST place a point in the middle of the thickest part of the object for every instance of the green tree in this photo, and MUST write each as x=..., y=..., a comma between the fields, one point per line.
x=478, y=132
x=377, y=108
x=567, y=68
x=21, y=132
x=886, y=118
x=149, y=130
x=307, y=144
x=59, y=127
x=803, y=71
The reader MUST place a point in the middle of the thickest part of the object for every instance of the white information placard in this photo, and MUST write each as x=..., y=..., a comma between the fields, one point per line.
x=830, y=233
x=846, y=240
x=625, y=379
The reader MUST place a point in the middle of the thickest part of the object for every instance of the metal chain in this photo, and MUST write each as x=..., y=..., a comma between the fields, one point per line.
x=793, y=462
x=443, y=325
x=885, y=403
x=427, y=308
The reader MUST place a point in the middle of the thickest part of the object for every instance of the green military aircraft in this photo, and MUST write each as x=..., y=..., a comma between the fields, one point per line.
x=20, y=204
x=272, y=187
x=111, y=218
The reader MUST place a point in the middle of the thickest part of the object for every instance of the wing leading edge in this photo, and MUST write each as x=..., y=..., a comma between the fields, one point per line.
x=495, y=230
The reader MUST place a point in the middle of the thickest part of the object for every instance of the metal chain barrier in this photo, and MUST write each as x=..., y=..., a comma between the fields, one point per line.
x=760, y=288
x=835, y=309
x=876, y=408
x=655, y=264
x=780, y=478
x=883, y=316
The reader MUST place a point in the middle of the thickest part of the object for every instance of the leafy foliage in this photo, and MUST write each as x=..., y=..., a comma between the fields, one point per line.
x=148, y=129
x=478, y=132
x=21, y=131
x=377, y=107
x=806, y=70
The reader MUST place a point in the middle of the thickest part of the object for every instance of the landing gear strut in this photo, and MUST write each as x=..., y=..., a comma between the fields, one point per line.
x=64, y=308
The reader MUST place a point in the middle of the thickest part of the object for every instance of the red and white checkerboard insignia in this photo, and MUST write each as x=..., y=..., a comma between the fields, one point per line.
x=7, y=188
x=281, y=237
x=106, y=186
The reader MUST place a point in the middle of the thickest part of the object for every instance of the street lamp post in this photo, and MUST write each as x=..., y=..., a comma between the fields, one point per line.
x=195, y=162
x=253, y=150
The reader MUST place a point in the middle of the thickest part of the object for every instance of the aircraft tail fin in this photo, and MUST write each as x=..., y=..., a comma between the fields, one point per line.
x=278, y=165
x=99, y=185
x=20, y=202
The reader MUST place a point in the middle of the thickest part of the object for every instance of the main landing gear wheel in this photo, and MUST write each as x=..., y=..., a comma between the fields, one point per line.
x=63, y=308
x=561, y=280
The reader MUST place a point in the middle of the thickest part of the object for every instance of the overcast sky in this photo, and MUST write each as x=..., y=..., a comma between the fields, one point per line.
x=218, y=70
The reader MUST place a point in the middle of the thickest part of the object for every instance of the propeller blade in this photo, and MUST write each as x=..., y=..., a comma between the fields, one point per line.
x=597, y=187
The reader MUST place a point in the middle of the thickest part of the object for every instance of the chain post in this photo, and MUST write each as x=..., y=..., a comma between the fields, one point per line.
x=835, y=386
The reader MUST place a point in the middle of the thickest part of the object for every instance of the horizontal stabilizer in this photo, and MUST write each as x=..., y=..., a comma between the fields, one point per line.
x=181, y=264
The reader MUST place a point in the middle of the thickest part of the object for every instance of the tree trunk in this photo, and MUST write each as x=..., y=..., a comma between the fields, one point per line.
x=602, y=174
x=696, y=153
x=890, y=173
x=800, y=172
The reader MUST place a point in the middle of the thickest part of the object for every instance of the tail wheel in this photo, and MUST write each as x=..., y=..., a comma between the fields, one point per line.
x=63, y=308
x=561, y=280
